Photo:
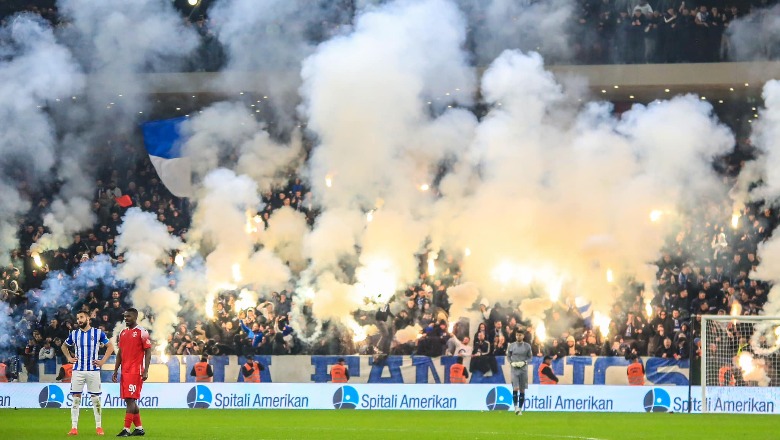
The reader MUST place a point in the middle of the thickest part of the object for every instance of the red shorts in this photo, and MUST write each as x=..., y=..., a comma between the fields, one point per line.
x=130, y=386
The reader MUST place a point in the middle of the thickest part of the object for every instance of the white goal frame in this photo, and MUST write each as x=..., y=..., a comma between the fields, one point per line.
x=705, y=319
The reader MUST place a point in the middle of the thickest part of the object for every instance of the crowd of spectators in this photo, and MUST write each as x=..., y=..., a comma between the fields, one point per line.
x=598, y=31
x=43, y=313
x=659, y=31
x=706, y=268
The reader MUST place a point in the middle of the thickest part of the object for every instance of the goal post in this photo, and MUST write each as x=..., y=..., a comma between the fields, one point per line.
x=740, y=356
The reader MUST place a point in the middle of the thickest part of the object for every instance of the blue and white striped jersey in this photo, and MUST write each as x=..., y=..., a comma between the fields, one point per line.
x=86, y=344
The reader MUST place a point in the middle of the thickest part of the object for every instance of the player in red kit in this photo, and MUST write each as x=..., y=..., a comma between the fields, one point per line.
x=133, y=356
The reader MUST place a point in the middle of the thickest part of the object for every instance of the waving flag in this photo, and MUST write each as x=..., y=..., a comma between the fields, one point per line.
x=163, y=142
x=124, y=201
x=585, y=309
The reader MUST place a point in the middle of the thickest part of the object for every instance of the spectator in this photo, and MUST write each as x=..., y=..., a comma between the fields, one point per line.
x=481, y=346
x=47, y=351
x=571, y=348
x=666, y=350
x=591, y=348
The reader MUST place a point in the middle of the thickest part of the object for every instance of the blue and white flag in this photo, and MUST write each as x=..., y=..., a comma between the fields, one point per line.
x=585, y=309
x=163, y=142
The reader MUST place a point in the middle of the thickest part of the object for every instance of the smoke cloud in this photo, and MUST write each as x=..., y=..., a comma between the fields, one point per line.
x=372, y=97
x=284, y=237
x=536, y=193
x=35, y=72
x=408, y=334
x=270, y=38
x=228, y=134
x=765, y=137
x=539, y=164
x=115, y=42
x=146, y=245
x=755, y=37
x=7, y=342
x=498, y=25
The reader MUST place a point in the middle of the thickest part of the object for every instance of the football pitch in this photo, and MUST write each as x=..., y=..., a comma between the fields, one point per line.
x=424, y=425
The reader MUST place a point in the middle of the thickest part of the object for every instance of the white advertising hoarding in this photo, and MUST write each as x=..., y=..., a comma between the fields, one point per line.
x=465, y=397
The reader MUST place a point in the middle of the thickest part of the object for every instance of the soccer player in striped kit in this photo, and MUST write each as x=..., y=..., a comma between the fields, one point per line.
x=86, y=342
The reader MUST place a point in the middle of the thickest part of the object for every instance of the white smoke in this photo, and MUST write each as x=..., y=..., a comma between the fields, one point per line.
x=65, y=218
x=334, y=300
x=514, y=179
x=541, y=191
x=219, y=229
x=535, y=309
x=284, y=236
x=146, y=245
x=267, y=272
x=36, y=72
x=270, y=38
x=335, y=236
x=269, y=163
x=12, y=205
x=555, y=195
x=8, y=344
x=227, y=130
x=408, y=334
x=116, y=41
x=461, y=298
x=216, y=134
x=219, y=223
x=765, y=137
x=369, y=97
x=755, y=36
x=527, y=25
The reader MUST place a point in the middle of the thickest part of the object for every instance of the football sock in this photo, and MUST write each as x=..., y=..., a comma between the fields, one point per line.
x=98, y=410
x=521, y=400
x=74, y=411
x=514, y=396
x=128, y=421
x=137, y=421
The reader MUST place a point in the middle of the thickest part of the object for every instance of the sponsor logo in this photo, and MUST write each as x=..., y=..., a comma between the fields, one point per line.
x=657, y=400
x=51, y=397
x=499, y=399
x=346, y=397
x=199, y=397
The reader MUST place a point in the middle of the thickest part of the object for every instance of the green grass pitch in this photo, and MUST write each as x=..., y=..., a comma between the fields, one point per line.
x=423, y=425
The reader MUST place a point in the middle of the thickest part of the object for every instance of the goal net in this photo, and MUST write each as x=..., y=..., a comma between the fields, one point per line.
x=740, y=356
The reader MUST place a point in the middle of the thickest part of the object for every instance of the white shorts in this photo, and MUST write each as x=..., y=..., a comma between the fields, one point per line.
x=89, y=378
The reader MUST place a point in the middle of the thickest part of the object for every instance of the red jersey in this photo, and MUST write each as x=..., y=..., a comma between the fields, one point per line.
x=132, y=343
